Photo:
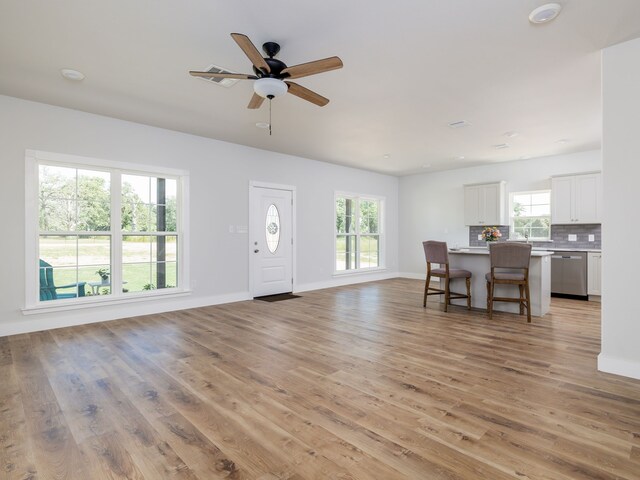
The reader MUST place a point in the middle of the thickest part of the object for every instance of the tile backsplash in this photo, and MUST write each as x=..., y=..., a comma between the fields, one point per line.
x=559, y=236
x=476, y=230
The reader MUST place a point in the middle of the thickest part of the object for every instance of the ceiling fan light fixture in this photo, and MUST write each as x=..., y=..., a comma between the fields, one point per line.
x=269, y=87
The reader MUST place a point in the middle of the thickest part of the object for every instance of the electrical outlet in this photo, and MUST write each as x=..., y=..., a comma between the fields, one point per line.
x=232, y=229
x=573, y=238
x=592, y=238
x=480, y=237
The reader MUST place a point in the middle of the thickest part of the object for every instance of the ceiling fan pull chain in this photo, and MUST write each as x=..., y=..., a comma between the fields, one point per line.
x=269, y=117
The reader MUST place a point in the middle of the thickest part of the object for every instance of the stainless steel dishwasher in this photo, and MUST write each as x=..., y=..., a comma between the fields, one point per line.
x=569, y=274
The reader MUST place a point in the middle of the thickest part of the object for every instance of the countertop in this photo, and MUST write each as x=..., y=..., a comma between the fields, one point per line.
x=548, y=249
x=484, y=251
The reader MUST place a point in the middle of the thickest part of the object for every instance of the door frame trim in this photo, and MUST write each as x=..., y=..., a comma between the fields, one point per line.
x=274, y=186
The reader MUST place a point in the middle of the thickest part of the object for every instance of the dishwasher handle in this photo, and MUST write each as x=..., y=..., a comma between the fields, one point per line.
x=568, y=257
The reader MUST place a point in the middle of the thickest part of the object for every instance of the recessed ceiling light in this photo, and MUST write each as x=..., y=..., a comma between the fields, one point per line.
x=545, y=13
x=386, y=156
x=426, y=165
x=262, y=125
x=525, y=157
x=461, y=157
x=511, y=134
x=500, y=146
x=562, y=141
x=70, y=74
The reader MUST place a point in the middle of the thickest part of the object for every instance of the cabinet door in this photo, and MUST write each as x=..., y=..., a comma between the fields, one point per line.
x=587, y=190
x=562, y=200
x=594, y=274
x=490, y=205
x=472, y=205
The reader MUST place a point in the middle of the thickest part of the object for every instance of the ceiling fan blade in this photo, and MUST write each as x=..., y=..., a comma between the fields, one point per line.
x=311, y=68
x=240, y=76
x=251, y=51
x=306, y=94
x=256, y=101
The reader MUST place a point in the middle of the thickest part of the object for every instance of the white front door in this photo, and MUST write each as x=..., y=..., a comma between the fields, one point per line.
x=271, y=240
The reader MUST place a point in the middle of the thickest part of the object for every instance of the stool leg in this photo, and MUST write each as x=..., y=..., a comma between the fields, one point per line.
x=468, y=294
x=491, y=286
x=521, y=288
x=488, y=297
x=426, y=289
x=446, y=294
x=526, y=289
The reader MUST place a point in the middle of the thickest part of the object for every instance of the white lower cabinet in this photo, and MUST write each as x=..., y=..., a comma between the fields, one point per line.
x=594, y=273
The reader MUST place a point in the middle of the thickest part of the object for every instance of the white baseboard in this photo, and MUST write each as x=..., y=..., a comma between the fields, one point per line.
x=417, y=276
x=49, y=321
x=618, y=366
x=341, y=280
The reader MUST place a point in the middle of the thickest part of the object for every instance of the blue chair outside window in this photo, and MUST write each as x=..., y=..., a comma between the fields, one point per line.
x=49, y=291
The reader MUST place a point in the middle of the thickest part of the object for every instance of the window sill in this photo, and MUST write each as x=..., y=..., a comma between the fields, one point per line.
x=90, y=302
x=359, y=271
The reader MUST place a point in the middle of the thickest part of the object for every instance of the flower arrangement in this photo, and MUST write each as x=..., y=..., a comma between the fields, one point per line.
x=491, y=234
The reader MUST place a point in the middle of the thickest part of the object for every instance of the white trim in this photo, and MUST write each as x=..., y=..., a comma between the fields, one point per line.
x=33, y=158
x=618, y=366
x=37, y=323
x=65, y=305
x=73, y=161
x=381, y=231
x=415, y=276
x=346, y=280
x=511, y=217
x=360, y=271
x=274, y=186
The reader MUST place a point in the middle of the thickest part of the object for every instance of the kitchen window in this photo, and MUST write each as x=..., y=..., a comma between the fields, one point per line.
x=358, y=232
x=530, y=215
x=101, y=233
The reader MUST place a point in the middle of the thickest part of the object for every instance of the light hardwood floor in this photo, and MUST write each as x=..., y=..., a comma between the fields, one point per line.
x=357, y=382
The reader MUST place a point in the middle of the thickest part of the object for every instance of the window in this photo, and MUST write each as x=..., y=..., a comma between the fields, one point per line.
x=103, y=232
x=531, y=215
x=358, y=232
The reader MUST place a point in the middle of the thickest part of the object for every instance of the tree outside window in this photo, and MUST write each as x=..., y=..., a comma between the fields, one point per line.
x=357, y=233
x=530, y=214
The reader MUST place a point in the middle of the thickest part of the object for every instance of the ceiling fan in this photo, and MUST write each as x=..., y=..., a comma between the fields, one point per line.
x=272, y=75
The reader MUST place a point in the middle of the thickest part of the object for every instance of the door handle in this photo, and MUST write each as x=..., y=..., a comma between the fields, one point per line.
x=256, y=251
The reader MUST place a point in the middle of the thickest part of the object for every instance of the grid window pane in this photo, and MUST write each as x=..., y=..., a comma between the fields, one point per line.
x=531, y=215
x=369, y=251
x=75, y=223
x=345, y=252
x=138, y=277
x=94, y=250
x=59, y=250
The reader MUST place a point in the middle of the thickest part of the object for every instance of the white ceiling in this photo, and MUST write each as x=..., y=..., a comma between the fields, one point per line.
x=410, y=67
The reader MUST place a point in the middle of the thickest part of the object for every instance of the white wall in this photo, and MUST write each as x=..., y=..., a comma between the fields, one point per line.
x=219, y=176
x=432, y=204
x=621, y=178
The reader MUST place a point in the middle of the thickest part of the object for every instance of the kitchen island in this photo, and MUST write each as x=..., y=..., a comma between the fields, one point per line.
x=476, y=260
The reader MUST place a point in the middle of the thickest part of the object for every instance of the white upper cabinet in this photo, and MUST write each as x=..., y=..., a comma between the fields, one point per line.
x=576, y=199
x=484, y=204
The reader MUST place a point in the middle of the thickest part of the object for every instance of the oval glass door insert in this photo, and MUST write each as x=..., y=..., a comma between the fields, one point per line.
x=272, y=228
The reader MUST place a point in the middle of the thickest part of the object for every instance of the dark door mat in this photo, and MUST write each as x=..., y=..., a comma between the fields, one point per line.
x=277, y=298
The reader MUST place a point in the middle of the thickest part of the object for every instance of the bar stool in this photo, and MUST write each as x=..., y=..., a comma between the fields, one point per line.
x=437, y=252
x=513, y=261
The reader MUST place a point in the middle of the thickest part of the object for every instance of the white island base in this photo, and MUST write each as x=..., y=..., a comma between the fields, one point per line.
x=476, y=260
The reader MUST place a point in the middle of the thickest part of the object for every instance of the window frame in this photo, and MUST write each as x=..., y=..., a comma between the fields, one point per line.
x=33, y=160
x=357, y=234
x=533, y=217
